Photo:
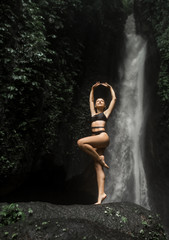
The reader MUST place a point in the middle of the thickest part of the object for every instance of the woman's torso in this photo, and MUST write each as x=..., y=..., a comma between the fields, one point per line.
x=98, y=122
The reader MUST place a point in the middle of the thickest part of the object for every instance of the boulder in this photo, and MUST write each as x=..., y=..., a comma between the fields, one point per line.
x=115, y=221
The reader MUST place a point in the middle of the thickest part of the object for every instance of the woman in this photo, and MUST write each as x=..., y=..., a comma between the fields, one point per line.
x=95, y=145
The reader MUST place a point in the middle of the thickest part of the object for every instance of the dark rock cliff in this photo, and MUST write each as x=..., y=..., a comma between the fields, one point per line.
x=156, y=135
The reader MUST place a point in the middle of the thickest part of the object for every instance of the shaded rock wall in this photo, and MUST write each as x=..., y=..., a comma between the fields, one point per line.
x=156, y=136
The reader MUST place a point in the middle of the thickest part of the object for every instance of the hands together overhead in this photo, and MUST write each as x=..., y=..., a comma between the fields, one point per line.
x=105, y=84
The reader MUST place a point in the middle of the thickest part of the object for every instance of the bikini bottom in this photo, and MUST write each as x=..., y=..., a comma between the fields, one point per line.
x=98, y=132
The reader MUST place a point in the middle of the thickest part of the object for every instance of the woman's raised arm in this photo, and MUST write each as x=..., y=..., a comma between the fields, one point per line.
x=91, y=99
x=112, y=103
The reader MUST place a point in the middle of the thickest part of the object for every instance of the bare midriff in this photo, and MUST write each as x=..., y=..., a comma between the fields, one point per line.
x=100, y=126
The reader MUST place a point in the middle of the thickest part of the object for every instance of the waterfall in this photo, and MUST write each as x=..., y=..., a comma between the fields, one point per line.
x=126, y=180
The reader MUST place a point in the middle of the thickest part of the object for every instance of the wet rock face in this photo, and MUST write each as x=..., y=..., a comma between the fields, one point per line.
x=115, y=221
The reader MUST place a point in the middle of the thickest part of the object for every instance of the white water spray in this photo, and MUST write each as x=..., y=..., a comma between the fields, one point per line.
x=126, y=179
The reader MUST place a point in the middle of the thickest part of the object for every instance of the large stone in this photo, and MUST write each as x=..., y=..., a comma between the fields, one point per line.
x=115, y=221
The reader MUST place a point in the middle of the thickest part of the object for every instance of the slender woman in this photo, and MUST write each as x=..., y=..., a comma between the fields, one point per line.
x=95, y=145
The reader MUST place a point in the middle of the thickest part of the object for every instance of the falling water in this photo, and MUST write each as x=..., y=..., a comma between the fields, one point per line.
x=126, y=180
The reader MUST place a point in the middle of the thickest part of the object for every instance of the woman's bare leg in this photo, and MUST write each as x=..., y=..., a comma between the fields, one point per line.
x=100, y=179
x=88, y=144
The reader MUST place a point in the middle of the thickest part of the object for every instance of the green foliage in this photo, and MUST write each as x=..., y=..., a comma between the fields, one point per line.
x=42, y=47
x=157, y=233
x=6, y=233
x=145, y=223
x=44, y=223
x=128, y=6
x=10, y=214
x=123, y=219
x=30, y=211
x=110, y=212
x=40, y=67
x=14, y=235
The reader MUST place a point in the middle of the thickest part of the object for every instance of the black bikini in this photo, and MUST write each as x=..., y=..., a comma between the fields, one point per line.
x=98, y=117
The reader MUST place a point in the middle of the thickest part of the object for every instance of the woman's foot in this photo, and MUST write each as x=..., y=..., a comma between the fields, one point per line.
x=102, y=162
x=101, y=198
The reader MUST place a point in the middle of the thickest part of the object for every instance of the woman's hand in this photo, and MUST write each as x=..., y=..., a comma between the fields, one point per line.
x=96, y=85
x=106, y=84
x=111, y=89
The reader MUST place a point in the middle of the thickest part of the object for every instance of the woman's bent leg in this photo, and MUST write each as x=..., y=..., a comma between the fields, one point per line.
x=100, y=179
x=88, y=144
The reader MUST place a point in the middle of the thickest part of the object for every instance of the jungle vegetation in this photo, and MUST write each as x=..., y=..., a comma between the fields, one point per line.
x=42, y=48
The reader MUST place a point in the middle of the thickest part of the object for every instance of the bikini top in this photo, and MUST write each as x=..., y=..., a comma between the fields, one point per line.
x=98, y=117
